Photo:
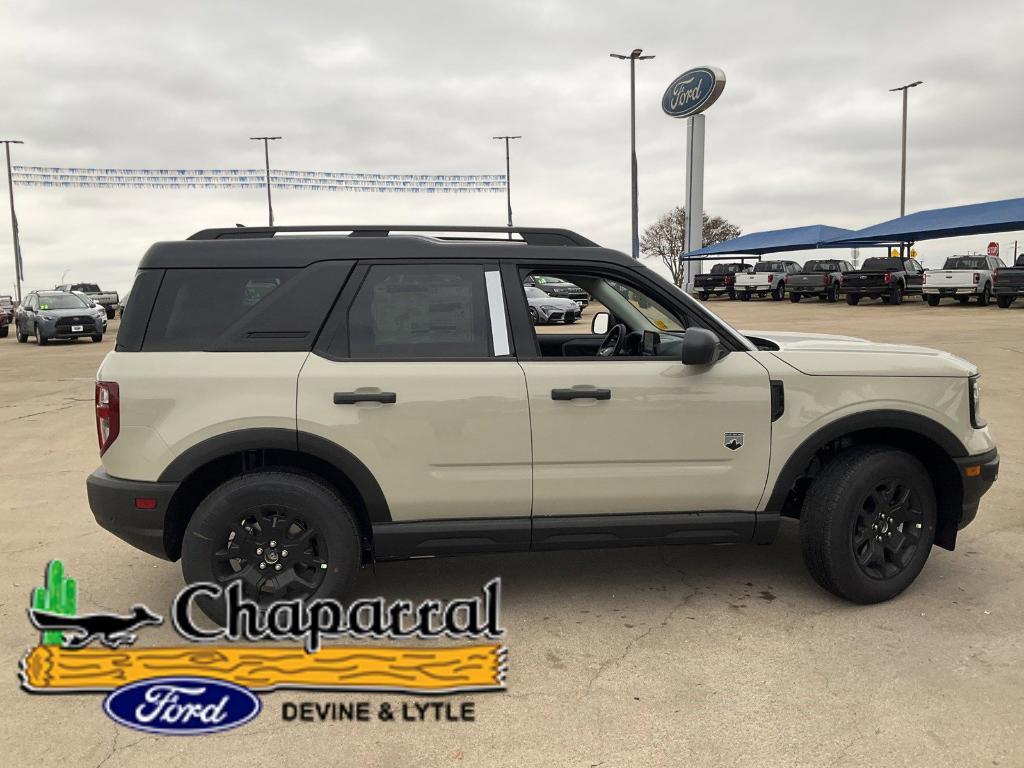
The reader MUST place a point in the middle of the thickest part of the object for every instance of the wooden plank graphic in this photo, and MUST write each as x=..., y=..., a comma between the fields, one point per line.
x=364, y=668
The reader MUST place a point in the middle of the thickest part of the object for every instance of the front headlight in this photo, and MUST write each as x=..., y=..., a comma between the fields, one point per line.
x=549, y=309
x=44, y=316
x=974, y=391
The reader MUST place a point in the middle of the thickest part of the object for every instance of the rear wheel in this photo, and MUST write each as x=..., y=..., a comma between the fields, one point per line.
x=4, y=331
x=732, y=295
x=986, y=296
x=779, y=293
x=933, y=301
x=703, y=295
x=852, y=299
x=280, y=535
x=897, y=294
x=868, y=523
x=833, y=294
x=745, y=296
x=23, y=337
x=97, y=337
x=1001, y=301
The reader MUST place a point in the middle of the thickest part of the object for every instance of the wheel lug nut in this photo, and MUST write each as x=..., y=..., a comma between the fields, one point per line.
x=284, y=553
x=277, y=567
x=273, y=543
x=262, y=566
x=259, y=550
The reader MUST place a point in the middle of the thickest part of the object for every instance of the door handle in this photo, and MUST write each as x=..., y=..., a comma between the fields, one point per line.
x=351, y=398
x=581, y=394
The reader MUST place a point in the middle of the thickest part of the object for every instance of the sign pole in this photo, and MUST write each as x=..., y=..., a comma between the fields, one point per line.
x=694, y=192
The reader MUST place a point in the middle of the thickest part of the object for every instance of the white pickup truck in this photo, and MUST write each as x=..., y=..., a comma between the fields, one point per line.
x=767, y=277
x=961, y=278
x=106, y=299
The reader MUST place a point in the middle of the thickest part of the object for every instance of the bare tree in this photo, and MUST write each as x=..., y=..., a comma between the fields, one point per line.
x=666, y=238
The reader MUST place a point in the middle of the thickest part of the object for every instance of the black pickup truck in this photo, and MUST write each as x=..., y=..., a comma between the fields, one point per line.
x=721, y=280
x=885, y=278
x=1008, y=283
x=819, y=277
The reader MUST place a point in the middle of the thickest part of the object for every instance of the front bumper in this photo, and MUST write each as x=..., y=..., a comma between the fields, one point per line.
x=114, y=505
x=61, y=329
x=977, y=474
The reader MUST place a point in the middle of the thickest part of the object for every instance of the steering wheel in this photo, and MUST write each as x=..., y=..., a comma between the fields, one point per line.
x=611, y=345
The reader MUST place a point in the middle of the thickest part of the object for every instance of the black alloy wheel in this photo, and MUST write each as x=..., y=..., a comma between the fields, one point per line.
x=887, y=529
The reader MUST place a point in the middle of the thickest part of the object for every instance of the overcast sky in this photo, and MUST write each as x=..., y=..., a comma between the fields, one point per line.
x=805, y=132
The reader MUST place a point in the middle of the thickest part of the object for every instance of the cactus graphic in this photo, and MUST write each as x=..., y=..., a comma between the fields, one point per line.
x=58, y=595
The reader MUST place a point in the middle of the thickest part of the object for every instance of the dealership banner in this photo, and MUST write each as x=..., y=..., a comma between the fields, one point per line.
x=242, y=178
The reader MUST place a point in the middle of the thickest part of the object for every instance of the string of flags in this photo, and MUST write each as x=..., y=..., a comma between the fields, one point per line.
x=247, y=178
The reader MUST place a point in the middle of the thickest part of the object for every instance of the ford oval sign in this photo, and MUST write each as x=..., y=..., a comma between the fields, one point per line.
x=693, y=91
x=179, y=706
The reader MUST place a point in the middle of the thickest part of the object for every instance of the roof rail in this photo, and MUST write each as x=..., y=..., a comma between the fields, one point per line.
x=530, y=235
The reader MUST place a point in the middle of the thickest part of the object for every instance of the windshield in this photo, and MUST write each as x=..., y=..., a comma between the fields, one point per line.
x=770, y=266
x=541, y=280
x=821, y=266
x=61, y=301
x=965, y=262
x=881, y=264
x=534, y=293
x=86, y=287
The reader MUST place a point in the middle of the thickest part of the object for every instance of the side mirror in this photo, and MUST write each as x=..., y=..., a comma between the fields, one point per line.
x=599, y=325
x=700, y=347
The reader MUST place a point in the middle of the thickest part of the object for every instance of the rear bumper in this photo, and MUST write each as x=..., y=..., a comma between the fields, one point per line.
x=113, y=504
x=1007, y=290
x=977, y=473
x=807, y=288
x=949, y=291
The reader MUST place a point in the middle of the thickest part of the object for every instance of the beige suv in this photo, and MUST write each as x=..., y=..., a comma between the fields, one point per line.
x=285, y=405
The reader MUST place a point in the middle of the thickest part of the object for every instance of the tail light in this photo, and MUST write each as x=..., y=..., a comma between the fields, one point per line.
x=828, y=279
x=770, y=278
x=108, y=413
x=977, y=278
x=728, y=279
x=842, y=280
x=888, y=277
x=995, y=276
x=924, y=278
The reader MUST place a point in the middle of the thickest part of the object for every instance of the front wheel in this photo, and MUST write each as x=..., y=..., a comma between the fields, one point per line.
x=4, y=331
x=868, y=523
x=279, y=534
x=534, y=317
x=40, y=339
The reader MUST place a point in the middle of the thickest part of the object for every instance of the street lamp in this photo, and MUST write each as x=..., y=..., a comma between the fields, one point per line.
x=508, y=178
x=18, y=267
x=266, y=154
x=633, y=58
x=903, y=161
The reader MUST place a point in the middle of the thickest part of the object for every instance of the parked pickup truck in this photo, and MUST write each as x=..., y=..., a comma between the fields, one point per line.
x=885, y=278
x=767, y=277
x=6, y=314
x=106, y=299
x=1008, y=283
x=961, y=278
x=819, y=277
x=721, y=280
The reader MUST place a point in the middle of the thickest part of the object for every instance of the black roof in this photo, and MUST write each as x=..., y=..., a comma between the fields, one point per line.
x=262, y=246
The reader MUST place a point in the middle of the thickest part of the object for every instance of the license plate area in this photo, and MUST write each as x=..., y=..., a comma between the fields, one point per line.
x=76, y=329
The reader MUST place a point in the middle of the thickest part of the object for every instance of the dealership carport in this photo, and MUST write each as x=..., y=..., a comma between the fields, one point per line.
x=772, y=241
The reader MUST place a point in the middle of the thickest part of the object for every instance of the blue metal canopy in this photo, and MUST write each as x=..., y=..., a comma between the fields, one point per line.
x=976, y=219
x=775, y=241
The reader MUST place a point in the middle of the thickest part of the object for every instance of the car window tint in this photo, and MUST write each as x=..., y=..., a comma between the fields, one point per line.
x=194, y=306
x=420, y=311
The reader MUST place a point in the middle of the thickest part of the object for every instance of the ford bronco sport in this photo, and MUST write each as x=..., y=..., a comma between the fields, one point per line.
x=282, y=408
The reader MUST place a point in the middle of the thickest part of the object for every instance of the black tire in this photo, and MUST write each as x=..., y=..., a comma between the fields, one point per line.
x=841, y=549
x=852, y=299
x=97, y=338
x=732, y=295
x=23, y=337
x=885, y=299
x=963, y=300
x=41, y=340
x=833, y=294
x=986, y=296
x=703, y=296
x=4, y=331
x=1003, y=302
x=110, y=314
x=277, y=506
x=933, y=300
x=795, y=298
x=896, y=297
x=745, y=296
x=779, y=292
x=534, y=317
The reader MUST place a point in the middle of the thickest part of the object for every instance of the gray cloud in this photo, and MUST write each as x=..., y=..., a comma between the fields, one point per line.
x=805, y=132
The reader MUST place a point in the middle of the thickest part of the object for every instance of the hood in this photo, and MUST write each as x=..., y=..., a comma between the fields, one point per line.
x=820, y=354
x=73, y=312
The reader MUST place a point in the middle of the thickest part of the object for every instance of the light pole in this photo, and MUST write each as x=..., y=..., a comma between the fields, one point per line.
x=266, y=155
x=633, y=58
x=18, y=269
x=508, y=178
x=903, y=160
